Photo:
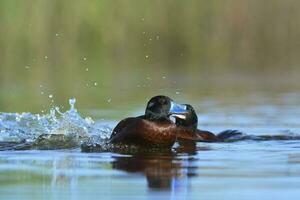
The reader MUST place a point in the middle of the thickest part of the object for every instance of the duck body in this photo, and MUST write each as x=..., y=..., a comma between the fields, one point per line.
x=196, y=135
x=187, y=128
x=145, y=132
x=188, y=131
x=154, y=128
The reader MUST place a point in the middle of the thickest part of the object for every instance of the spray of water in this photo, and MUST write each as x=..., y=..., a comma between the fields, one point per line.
x=54, y=130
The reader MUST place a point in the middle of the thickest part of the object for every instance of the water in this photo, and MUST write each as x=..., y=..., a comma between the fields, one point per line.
x=245, y=169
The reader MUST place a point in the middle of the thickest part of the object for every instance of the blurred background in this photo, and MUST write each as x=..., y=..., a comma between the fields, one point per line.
x=117, y=54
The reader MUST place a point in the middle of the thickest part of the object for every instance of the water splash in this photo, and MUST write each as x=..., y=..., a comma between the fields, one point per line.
x=67, y=130
x=54, y=130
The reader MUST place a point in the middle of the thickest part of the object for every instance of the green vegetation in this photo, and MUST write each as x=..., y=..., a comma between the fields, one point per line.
x=108, y=53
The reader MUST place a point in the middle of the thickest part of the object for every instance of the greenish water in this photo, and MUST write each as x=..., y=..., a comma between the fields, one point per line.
x=116, y=54
x=235, y=61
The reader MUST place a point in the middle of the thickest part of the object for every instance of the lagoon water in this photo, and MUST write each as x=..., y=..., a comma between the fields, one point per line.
x=246, y=169
x=236, y=62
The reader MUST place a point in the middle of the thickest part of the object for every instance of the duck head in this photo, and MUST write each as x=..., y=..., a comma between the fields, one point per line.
x=160, y=107
x=190, y=119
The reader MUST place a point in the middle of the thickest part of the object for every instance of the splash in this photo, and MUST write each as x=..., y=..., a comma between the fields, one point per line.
x=55, y=130
x=69, y=130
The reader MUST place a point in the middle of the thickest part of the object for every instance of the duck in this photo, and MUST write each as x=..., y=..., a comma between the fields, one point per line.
x=154, y=128
x=188, y=129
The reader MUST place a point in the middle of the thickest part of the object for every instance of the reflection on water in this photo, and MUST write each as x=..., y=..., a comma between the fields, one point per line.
x=109, y=53
x=66, y=172
x=161, y=171
x=236, y=62
x=266, y=168
x=259, y=169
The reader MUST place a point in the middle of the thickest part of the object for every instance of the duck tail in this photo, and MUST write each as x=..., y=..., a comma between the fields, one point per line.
x=230, y=135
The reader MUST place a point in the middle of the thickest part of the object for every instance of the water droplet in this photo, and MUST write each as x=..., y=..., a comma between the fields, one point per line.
x=95, y=83
x=41, y=86
x=72, y=103
x=84, y=58
x=109, y=100
x=143, y=32
x=87, y=69
x=46, y=57
x=147, y=56
x=18, y=117
x=89, y=120
x=163, y=77
x=27, y=67
x=150, y=39
x=177, y=92
x=56, y=34
x=52, y=113
x=157, y=37
x=42, y=92
x=58, y=110
x=50, y=96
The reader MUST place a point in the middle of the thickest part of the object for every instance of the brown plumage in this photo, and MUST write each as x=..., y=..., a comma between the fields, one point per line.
x=152, y=129
x=189, y=133
x=136, y=130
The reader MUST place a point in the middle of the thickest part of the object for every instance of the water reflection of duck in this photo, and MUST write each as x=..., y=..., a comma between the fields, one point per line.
x=188, y=130
x=154, y=128
x=162, y=171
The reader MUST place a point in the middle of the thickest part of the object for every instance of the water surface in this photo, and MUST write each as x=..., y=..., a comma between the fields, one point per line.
x=245, y=169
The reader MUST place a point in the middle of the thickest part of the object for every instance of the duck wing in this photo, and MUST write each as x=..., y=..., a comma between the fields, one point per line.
x=124, y=129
